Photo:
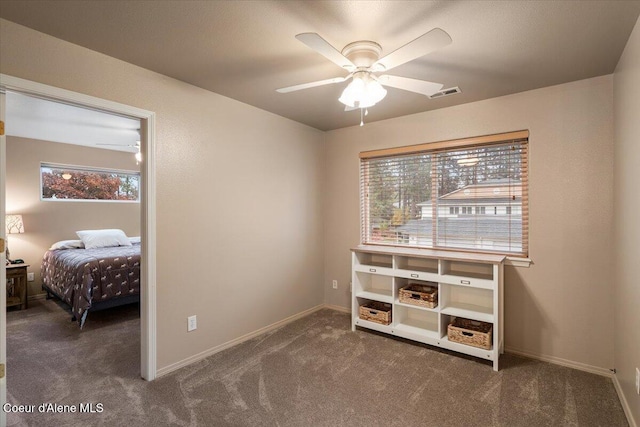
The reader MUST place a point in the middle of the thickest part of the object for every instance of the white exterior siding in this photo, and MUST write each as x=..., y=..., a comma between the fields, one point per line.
x=448, y=211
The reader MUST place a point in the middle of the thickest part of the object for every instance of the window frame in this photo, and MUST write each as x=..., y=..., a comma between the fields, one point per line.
x=89, y=169
x=520, y=137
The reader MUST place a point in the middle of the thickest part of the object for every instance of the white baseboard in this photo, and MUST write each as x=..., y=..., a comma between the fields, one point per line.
x=37, y=296
x=204, y=354
x=624, y=402
x=337, y=308
x=562, y=362
x=583, y=367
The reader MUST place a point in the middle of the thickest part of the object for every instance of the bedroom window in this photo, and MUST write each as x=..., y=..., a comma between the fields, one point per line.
x=411, y=196
x=79, y=183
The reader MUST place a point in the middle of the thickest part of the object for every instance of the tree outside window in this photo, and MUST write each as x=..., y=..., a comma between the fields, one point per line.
x=79, y=183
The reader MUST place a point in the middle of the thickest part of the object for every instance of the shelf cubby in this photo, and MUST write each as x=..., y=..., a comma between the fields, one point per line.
x=466, y=269
x=402, y=282
x=374, y=287
x=416, y=321
x=374, y=260
x=427, y=265
x=467, y=302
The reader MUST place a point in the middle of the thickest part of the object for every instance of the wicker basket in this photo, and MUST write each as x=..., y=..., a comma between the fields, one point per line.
x=422, y=295
x=470, y=332
x=378, y=312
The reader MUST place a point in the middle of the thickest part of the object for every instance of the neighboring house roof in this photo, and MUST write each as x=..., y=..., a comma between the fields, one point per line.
x=490, y=191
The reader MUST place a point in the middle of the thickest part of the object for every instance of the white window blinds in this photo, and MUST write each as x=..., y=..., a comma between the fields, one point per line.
x=466, y=194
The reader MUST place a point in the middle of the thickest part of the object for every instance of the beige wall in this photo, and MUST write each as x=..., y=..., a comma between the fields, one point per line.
x=562, y=305
x=626, y=91
x=239, y=195
x=48, y=222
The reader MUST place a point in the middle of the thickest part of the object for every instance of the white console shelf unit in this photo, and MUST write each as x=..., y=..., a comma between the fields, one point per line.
x=470, y=285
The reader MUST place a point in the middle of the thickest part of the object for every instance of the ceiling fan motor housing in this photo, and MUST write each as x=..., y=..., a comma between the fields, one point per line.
x=362, y=53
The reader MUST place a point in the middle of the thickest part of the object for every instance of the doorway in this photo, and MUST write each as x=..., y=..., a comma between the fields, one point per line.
x=147, y=207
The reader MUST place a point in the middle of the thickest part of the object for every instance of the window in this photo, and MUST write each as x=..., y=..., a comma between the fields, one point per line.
x=416, y=192
x=62, y=182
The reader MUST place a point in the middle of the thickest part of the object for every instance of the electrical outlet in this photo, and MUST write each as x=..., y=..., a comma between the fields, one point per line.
x=335, y=284
x=192, y=323
x=31, y=277
x=637, y=380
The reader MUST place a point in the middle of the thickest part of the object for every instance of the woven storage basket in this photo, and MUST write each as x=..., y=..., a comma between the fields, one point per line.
x=470, y=332
x=374, y=311
x=422, y=295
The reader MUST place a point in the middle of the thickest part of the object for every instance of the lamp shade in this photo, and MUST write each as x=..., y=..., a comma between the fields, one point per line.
x=14, y=224
x=364, y=91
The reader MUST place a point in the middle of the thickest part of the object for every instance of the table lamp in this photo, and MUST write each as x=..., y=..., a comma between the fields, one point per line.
x=14, y=225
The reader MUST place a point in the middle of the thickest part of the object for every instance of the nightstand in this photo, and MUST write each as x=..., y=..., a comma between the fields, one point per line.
x=17, y=285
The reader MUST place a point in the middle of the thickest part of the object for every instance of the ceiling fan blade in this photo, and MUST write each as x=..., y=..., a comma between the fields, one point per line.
x=412, y=85
x=426, y=43
x=320, y=45
x=312, y=84
x=117, y=145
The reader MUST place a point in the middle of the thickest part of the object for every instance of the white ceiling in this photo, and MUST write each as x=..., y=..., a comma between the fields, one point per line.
x=247, y=49
x=35, y=118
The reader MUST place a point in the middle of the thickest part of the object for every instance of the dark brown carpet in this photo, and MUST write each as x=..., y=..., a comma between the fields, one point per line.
x=313, y=372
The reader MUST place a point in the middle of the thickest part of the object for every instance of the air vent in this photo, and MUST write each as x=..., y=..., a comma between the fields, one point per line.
x=446, y=92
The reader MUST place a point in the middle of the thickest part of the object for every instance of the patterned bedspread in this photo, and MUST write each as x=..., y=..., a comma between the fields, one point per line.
x=81, y=277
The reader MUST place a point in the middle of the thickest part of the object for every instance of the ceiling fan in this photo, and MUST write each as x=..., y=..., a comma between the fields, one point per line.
x=362, y=60
x=138, y=154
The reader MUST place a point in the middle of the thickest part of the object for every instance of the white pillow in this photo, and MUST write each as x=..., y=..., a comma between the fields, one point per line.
x=67, y=244
x=134, y=240
x=103, y=238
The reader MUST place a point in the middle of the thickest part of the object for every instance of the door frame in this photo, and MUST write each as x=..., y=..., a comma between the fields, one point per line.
x=3, y=277
x=148, y=321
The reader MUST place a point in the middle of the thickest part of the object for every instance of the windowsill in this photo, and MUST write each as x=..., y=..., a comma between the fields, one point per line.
x=518, y=262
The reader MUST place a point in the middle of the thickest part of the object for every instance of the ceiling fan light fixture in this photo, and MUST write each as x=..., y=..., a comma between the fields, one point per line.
x=364, y=91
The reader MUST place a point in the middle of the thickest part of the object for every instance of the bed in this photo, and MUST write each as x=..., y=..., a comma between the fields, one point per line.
x=92, y=279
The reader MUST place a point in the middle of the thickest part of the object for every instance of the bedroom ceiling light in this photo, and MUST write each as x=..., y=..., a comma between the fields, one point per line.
x=364, y=91
x=66, y=176
x=138, y=155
